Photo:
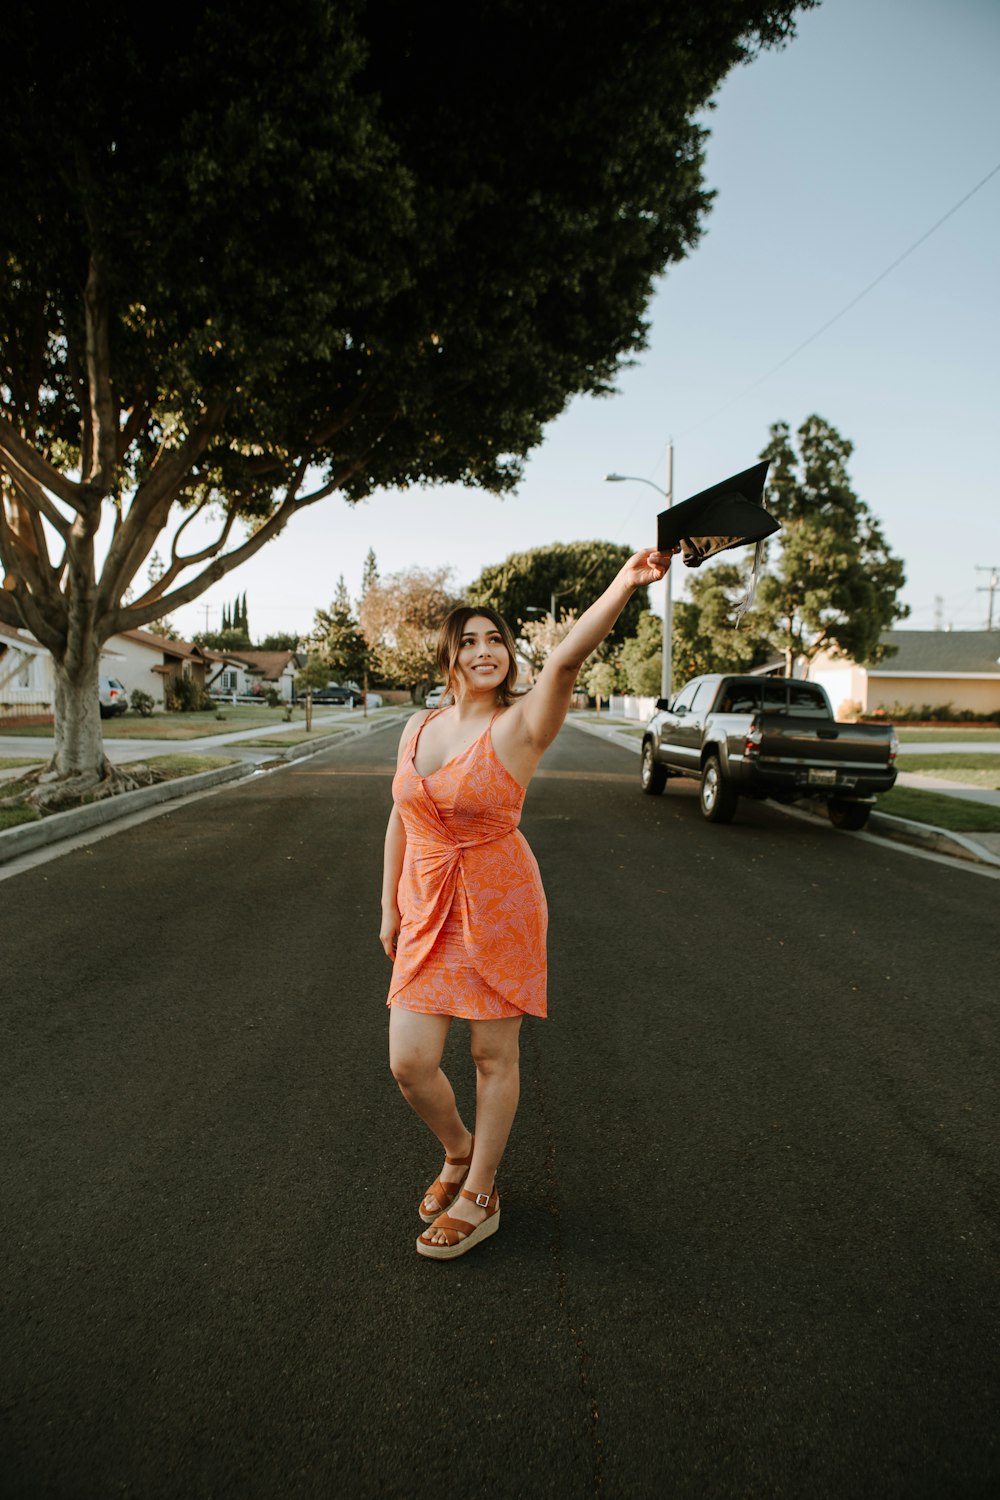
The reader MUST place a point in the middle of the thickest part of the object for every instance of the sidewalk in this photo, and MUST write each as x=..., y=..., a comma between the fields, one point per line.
x=983, y=848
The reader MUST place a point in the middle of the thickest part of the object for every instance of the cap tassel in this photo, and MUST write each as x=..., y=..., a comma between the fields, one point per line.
x=748, y=598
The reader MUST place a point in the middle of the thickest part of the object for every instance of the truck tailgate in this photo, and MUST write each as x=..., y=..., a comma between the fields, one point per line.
x=821, y=742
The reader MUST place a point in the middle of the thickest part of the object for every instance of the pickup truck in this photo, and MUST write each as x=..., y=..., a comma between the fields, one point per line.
x=767, y=737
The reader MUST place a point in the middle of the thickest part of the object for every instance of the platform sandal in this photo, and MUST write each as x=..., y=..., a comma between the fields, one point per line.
x=446, y=1192
x=459, y=1233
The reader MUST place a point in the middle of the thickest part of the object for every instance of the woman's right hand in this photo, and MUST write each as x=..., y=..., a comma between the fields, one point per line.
x=389, y=932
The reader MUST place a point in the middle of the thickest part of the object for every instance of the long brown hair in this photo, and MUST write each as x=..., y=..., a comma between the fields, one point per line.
x=450, y=643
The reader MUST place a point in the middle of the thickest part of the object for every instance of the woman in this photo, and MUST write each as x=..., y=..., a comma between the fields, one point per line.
x=463, y=910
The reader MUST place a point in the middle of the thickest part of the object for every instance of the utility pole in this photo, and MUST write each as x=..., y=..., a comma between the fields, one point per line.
x=207, y=608
x=990, y=588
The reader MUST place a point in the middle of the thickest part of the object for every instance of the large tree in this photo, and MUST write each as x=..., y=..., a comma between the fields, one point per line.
x=557, y=578
x=703, y=628
x=835, y=585
x=400, y=620
x=276, y=253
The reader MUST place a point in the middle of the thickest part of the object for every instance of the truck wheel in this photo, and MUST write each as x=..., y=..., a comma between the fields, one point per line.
x=718, y=797
x=850, y=815
x=652, y=776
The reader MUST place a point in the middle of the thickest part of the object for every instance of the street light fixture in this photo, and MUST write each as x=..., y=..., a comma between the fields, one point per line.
x=666, y=675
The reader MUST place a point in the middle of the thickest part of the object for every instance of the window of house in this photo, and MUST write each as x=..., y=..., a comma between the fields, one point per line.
x=24, y=673
x=229, y=682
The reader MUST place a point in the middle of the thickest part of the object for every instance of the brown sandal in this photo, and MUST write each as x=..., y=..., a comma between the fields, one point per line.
x=459, y=1233
x=445, y=1193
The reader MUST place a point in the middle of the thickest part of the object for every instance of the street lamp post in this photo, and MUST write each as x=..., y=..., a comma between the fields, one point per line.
x=666, y=675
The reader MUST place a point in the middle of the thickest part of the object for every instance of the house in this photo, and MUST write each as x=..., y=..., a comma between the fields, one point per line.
x=154, y=663
x=27, y=680
x=243, y=674
x=927, y=669
x=138, y=658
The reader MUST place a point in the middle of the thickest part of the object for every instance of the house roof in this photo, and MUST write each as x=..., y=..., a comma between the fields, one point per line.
x=183, y=650
x=26, y=641
x=266, y=664
x=940, y=651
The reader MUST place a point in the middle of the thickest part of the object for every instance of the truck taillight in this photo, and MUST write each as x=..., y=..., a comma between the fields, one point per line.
x=753, y=740
x=893, y=745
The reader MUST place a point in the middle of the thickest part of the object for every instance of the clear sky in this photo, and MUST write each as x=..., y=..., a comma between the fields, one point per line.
x=830, y=159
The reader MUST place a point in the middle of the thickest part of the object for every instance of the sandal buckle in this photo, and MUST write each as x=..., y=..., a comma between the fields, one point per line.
x=483, y=1200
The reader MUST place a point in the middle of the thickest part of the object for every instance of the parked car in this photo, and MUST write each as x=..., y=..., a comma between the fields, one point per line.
x=433, y=699
x=767, y=737
x=113, y=697
x=374, y=700
x=334, y=694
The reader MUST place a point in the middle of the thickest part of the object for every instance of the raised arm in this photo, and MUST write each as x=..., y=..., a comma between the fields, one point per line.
x=544, y=708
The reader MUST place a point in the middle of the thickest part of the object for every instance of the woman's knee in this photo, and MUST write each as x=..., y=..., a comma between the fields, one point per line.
x=493, y=1063
x=411, y=1069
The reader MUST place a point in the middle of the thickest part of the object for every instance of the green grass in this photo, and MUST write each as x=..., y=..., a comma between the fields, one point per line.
x=970, y=770
x=10, y=817
x=9, y=762
x=172, y=766
x=960, y=732
x=293, y=737
x=953, y=813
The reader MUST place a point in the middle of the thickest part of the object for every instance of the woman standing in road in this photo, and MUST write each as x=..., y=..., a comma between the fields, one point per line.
x=463, y=910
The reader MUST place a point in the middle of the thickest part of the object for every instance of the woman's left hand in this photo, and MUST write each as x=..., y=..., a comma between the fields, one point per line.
x=647, y=566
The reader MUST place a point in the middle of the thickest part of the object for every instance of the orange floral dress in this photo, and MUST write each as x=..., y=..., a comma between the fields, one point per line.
x=472, y=908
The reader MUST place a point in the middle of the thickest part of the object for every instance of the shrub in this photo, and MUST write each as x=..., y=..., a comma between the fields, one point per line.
x=142, y=703
x=186, y=697
x=272, y=697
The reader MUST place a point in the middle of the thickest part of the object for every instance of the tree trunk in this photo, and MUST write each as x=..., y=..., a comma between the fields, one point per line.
x=78, y=752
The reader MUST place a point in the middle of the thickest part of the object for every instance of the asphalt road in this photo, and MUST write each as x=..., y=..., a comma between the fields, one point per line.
x=750, y=1226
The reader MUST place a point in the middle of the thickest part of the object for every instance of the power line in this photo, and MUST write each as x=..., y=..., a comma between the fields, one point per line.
x=847, y=305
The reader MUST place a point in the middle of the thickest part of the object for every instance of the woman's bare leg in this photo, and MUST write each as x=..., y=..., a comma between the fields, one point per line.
x=498, y=1085
x=416, y=1042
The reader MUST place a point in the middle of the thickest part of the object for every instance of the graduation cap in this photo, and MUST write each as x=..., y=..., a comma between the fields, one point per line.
x=730, y=514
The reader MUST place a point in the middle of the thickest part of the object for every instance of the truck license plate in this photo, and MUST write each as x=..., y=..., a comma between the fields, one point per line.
x=822, y=778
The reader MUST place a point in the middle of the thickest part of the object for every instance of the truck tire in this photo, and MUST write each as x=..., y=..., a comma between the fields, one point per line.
x=846, y=814
x=718, y=797
x=652, y=776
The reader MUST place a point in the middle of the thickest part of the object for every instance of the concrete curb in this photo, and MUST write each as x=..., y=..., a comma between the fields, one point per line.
x=902, y=830
x=29, y=836
x=64, y=825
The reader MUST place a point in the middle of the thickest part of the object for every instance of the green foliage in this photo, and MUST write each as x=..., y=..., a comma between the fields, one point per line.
x=141, y=703
x=230, y=639
x=640, y=660
x=336, y=644
x=704, y=636
x=282, y=640
x=271, y=696
x=836, y=585
x=185, y=696
x=575, y=572
x=599, y=680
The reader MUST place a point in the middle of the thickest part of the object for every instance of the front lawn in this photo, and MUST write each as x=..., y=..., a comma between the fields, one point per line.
x=956, y=814
x=959, y=732
x=169, y=767
x=10, y=817
x=970, y=770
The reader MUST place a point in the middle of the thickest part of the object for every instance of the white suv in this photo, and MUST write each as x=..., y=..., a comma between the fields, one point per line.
x=114, y=699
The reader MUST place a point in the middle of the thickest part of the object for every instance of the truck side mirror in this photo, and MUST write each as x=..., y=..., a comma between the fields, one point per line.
x=662, y=704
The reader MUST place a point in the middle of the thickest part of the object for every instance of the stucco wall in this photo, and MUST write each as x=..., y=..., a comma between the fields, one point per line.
x=979, y=694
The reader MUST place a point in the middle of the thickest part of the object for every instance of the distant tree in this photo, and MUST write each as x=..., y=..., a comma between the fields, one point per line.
x=281, y=640
x=574, y=572
x=835, y=585
x=400, y=620
x=165, y=627
x=230, y=289
x=705, y=638
x=541, y=635
x=369, y=576
x=599, y=680
x=223, y=640
x=336, y=638
x=641, y=658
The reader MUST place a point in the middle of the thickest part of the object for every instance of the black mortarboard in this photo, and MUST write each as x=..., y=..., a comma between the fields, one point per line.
x=730, y=514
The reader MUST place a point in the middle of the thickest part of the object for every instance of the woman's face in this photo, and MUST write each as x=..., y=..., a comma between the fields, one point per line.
x=483, y=659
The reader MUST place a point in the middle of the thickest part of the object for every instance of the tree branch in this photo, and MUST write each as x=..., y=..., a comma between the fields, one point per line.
x=132, y=616
x=21, y=455
x=101, y=405
x=37, y=501
x=20, y=568
x=150, y=507
x=179, y=564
